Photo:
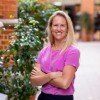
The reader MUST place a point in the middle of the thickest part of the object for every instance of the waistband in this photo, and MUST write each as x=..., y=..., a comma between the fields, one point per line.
x=56, y=95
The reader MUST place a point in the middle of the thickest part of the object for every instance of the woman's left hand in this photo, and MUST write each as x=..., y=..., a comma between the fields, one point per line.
x=37, y=72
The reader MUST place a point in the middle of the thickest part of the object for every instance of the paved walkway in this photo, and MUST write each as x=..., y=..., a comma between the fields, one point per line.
x=87, y=84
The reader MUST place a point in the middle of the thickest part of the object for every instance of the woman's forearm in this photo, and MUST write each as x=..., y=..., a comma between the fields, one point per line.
x=66, y=79
x=43, y=78
x=40, y=80
x=60, y=82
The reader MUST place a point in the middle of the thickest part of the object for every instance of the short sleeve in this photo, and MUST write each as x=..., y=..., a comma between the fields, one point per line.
x=72, y=58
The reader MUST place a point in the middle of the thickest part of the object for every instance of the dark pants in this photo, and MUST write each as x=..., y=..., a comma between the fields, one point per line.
x=44, y=96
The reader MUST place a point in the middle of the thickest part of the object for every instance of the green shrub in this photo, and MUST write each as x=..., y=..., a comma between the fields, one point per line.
x=18, y=60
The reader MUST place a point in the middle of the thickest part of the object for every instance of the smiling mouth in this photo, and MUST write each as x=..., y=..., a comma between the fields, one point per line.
x=58, y=33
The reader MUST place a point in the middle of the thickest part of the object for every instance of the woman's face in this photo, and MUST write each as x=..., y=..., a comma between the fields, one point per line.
x=59, y=27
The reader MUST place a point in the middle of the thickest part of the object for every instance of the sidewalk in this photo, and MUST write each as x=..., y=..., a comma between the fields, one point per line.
x=87, y=84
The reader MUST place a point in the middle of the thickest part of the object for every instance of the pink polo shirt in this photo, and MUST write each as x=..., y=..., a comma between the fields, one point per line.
x=52, y=61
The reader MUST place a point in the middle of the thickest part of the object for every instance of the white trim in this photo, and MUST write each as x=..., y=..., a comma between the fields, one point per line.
x=1, y=24
x=9, y=21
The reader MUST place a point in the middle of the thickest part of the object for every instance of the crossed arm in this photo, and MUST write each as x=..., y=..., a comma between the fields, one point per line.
x=58, y=79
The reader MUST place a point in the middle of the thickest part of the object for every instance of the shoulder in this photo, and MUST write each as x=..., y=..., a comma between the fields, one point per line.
x=73, y=49
x=44, y=49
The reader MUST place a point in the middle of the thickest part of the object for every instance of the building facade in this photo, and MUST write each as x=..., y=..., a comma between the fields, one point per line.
x=9, y=9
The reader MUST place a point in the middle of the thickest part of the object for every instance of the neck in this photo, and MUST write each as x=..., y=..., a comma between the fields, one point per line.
x=58, y=44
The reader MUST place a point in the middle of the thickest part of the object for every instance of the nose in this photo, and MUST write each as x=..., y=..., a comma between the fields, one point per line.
x=59, y=28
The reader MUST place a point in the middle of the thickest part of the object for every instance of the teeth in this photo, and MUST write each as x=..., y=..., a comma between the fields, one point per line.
x=58, y=33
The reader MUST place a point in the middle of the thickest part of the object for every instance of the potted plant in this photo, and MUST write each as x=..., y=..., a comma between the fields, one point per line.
x=87, y=26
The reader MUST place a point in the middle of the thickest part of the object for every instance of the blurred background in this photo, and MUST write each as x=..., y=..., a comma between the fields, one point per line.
x=22, y=35
x=84, y=14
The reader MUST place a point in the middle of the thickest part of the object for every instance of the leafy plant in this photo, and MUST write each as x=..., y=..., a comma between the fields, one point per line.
x=18, y=60
x=86, y=22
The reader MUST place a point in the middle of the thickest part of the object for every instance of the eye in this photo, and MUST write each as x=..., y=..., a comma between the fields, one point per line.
x=55, y=25
x=63, y=25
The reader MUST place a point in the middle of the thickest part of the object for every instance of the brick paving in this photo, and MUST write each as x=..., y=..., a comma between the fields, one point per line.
x=87, y=83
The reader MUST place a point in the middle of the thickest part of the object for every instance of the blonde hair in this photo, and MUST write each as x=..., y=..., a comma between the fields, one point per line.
x=70, y=33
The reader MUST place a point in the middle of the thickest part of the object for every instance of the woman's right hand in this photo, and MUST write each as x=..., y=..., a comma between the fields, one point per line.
x=55, y=74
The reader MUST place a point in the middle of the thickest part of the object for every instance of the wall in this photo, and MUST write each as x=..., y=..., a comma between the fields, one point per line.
x=8, y=10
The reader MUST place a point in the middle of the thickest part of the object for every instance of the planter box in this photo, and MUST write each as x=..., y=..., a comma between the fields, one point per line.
x=3, y=96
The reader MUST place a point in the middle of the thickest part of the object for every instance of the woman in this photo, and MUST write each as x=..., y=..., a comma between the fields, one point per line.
x=57, y=62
